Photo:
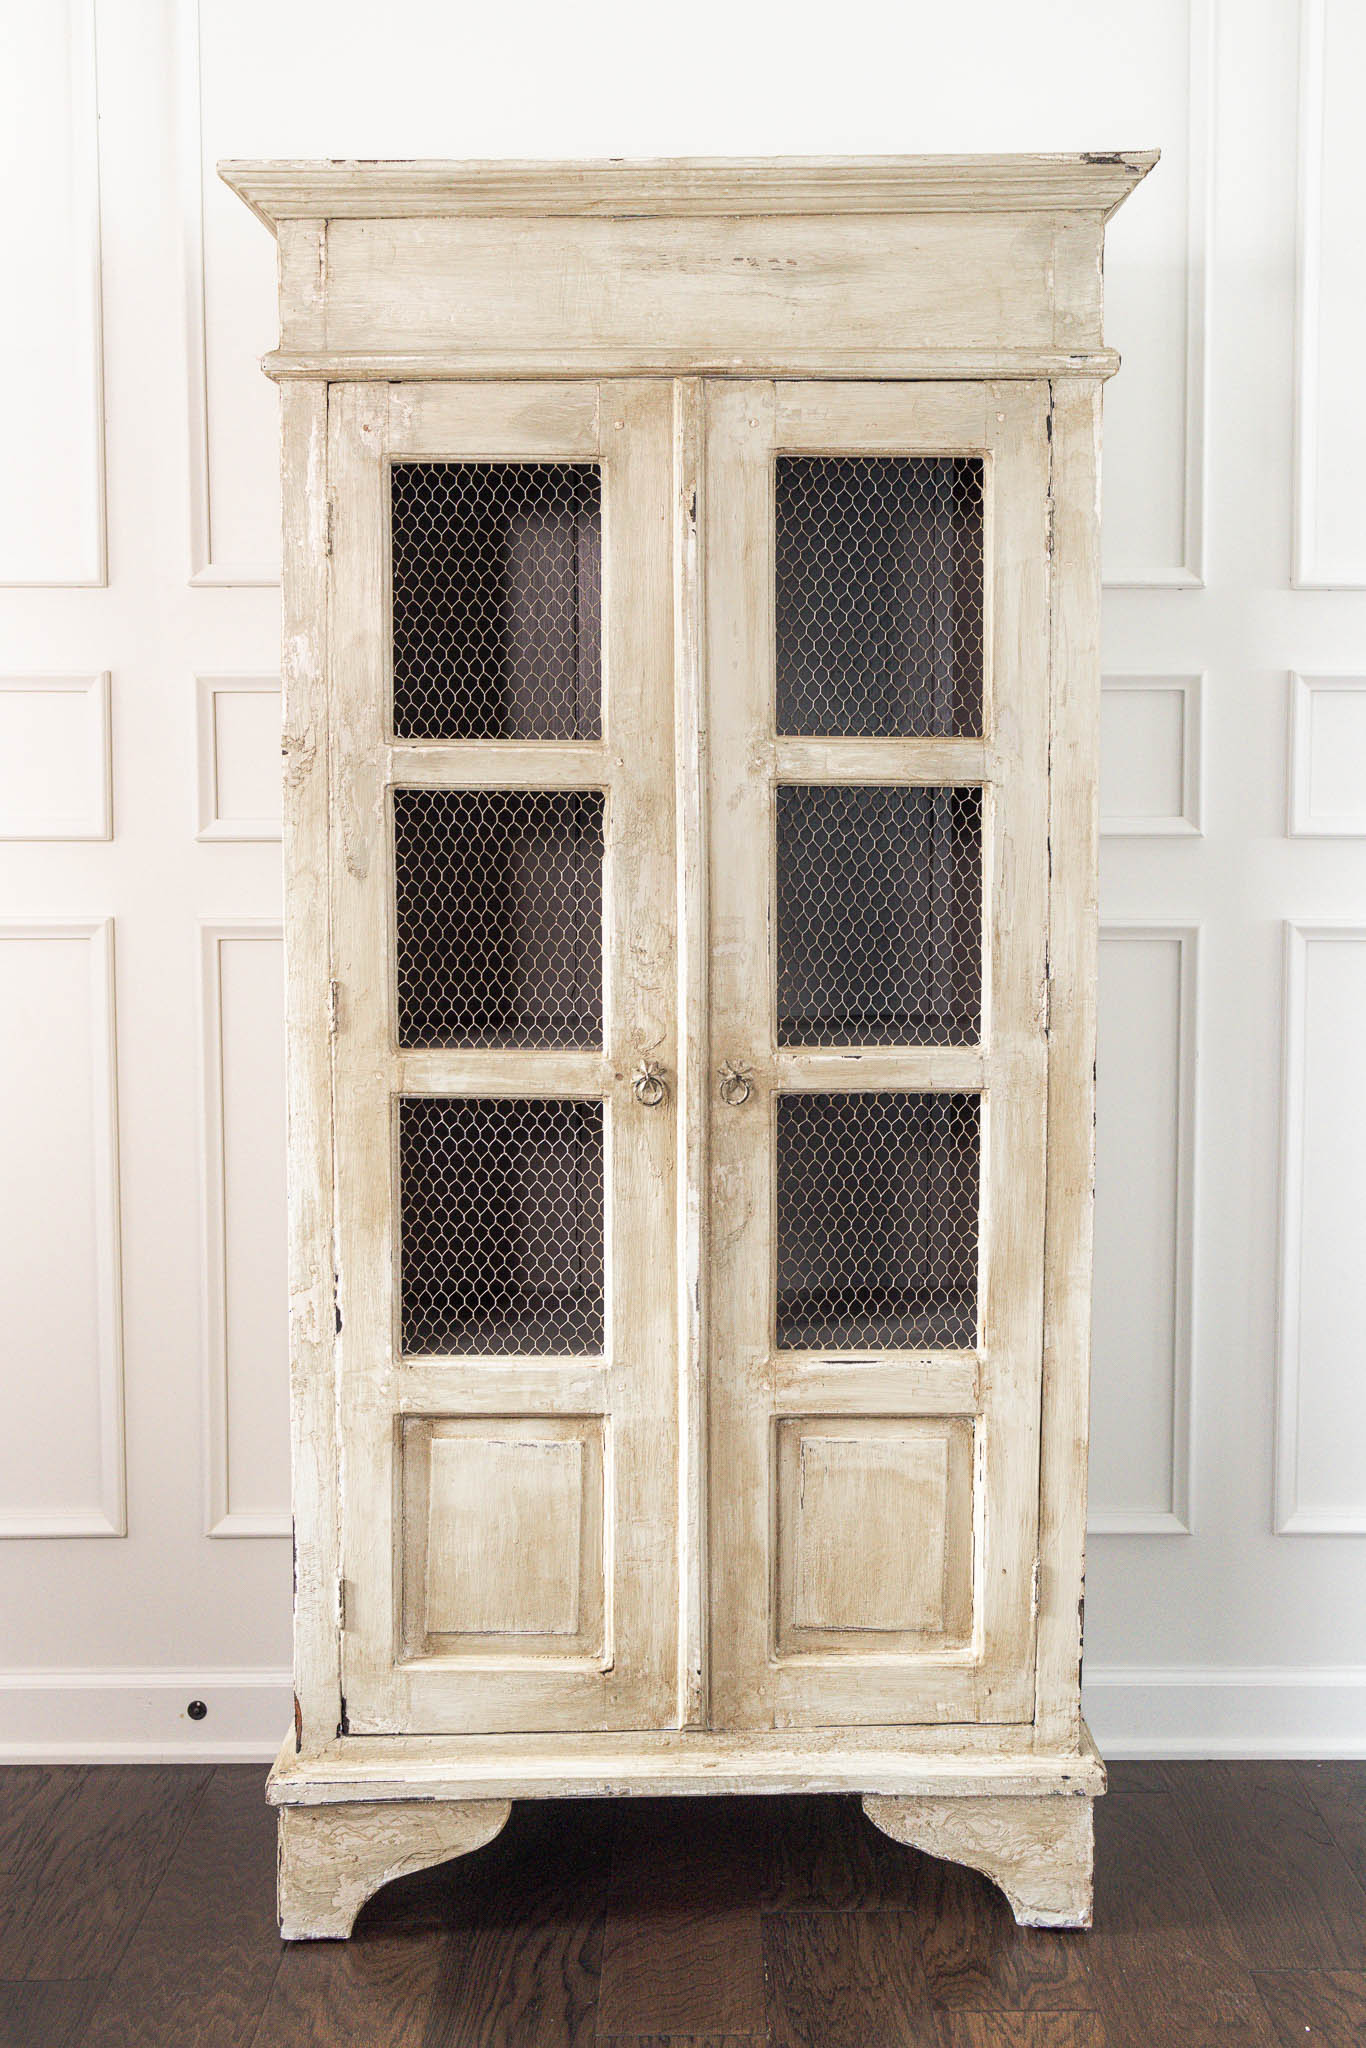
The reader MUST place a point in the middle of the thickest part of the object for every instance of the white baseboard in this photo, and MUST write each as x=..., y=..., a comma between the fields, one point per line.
x=140, y=1717
x=126, y=1716
x=1187, y=1710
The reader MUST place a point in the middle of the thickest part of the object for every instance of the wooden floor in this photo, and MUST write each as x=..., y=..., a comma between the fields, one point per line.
x=136, y=1909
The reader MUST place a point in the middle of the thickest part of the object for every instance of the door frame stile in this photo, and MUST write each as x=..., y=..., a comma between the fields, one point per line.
x=313, y=1361
x=1073, y=832
x=693, y=943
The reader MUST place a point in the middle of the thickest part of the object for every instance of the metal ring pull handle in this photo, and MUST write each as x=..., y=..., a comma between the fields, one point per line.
x=735, y=1085
x=650, y=1085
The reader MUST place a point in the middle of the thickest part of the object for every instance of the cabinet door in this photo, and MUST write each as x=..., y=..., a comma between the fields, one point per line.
x=502, y=891
x=878, y=659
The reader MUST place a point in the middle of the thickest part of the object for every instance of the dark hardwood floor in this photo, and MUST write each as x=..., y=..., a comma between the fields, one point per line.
x=136, y=1911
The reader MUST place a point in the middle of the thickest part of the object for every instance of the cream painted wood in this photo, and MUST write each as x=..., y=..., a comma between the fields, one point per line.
x=602, y=1480
x=962, y=1762
x=754, y=1569
x=980, y=1664
x=332, y=1858
x=1039, y=1851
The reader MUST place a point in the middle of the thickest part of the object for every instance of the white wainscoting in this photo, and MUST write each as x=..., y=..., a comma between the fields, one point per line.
x=56, y=763
x=1330, y=424
x=1321, y=1403
x=62, y=1446
x=1151, y=754
x=1327, y=779
x=245, y=1288
x=52, y=509
x=1234, y=443
x=238, y=744
x=1145, y=1209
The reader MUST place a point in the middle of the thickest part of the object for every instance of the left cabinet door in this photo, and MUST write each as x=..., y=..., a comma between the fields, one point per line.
x=503, y=946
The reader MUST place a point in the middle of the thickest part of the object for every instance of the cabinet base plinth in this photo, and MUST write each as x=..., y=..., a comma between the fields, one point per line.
x=333, y=1858
x=1039, y=1851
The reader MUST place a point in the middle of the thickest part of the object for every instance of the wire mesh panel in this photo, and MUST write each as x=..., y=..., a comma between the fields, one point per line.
x=500, y=1225
x=879, y=937
x=496, y=593
x=877, y=1220
x=879, y=595
x=498, y=898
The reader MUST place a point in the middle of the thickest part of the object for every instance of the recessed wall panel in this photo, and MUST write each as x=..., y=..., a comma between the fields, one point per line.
x=1321, y=1474
x=1144, y=1146
x=61, y=1449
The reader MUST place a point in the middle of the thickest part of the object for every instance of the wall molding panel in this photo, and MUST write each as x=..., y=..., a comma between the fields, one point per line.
x=1335, y=813
x=221, y=1355
x=1174, y=1517
x=206, y=569
x=84, y=528
x=104, y=1512
x=1322, y=1337
x=1331, y=333
x=1220, y=1710
x=39, y=770
x=1184, y=818
x=126, y=1715
x=218, y=820
x=1188, y=573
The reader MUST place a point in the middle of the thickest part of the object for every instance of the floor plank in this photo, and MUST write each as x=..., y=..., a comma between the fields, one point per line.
x=846, y=1980
x=1028, y=2030
x=823, y=1853
x=47, y=2015
x=1316, y=2008
x=1286, y=1887
x=31, y=1797
x=1338, y=1790
x=199, y=1969
x=525, y=1941
x=680, y=2040
x=138, y=1913
x=1162, y=1953
x=377, y=1990
x=977, y=1960
x=682, y=1949
x=79, y=1892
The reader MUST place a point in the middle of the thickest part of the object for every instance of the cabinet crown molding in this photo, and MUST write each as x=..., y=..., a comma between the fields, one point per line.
x=353, y=189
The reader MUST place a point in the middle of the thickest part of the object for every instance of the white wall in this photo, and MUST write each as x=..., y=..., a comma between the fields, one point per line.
x=142, y=1463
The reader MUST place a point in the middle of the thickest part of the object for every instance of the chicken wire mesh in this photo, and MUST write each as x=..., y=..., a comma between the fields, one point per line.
x=498, y=902
x=500, y=1226
x=496, y=587
x=879, y=613
x=879, y=930
x=877, y=1220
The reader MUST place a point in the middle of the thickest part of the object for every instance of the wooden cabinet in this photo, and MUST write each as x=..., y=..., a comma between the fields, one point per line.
x=690, y=734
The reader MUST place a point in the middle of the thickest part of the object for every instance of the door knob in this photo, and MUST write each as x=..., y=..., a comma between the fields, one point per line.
x=735, y=1085
x=650, y=1085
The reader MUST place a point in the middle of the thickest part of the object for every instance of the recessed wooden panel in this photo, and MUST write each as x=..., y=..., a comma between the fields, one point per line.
x=1150, y=735
x=239, y=757
x=1330, y=436
x=1140, y=1400
x=61, y=1357
x=1327, y=757
x=1321, y=1425
x=873, y=1532
x=52, y=513
x=55, y=769
x=588, y=286
x=503, y=1535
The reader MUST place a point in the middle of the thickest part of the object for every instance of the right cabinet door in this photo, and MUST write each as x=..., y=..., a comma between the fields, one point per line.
x=876, y=595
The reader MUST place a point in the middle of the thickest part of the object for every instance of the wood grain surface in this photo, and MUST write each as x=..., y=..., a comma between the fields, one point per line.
x=136, y=1907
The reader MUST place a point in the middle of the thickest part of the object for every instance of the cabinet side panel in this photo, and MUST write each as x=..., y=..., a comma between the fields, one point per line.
x=312, y=1319
x=1073, y=843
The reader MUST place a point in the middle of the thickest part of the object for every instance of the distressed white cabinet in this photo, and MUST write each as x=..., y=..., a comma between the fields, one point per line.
x=691, y=697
